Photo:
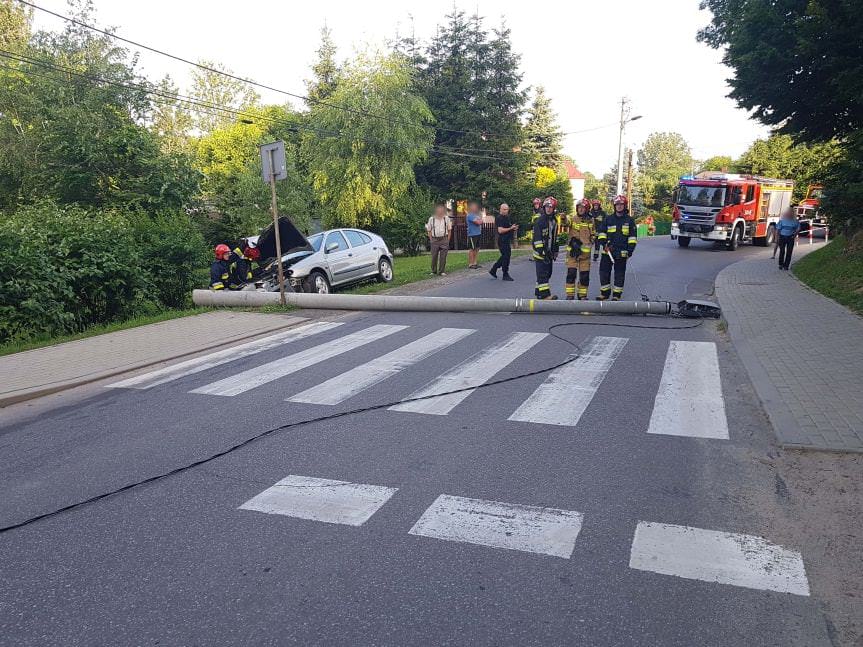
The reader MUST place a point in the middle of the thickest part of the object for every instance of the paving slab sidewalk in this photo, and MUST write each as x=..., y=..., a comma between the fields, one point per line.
x=34, y=373
x=803, y=353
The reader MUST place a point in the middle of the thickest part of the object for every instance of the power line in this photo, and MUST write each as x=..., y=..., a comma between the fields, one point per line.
x=306, y=98
x=209, y=108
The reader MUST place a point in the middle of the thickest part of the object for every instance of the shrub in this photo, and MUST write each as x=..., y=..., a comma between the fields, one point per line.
x=406, y=229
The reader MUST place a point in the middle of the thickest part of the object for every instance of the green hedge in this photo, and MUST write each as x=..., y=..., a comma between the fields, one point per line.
x=68, y=268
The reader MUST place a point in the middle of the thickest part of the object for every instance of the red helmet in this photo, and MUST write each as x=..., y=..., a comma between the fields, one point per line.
x=620, y=199
x=221, y=250
x=252, y=253
x=584, y=203
x=549, y=202
x=537, y=202
x=595, y=203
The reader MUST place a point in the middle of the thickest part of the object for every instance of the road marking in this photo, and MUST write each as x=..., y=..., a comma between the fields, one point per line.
x=533, y=529
x=358, y=379
x=242, y=382
x=689, y=400
x=198, y=364
x=713, y=556
x=565, y=394
x=474, y=371
x=324, y=500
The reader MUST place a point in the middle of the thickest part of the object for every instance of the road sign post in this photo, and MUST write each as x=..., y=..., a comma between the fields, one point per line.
x=273, y=168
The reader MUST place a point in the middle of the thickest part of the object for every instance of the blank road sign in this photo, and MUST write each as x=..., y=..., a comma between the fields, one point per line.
x=273, y=161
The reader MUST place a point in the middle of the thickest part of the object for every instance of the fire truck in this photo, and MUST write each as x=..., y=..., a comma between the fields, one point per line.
x=809, y=210
x=729, y=208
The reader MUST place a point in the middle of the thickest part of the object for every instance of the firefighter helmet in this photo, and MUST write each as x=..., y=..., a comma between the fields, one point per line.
x=621, y=199
x=595, y=203
x=221, y=250
x=252, y=253
x=584, y=204
x=537, y=203
x=549, y=202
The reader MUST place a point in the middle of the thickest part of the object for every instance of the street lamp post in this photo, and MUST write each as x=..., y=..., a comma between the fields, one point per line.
x=624, y=119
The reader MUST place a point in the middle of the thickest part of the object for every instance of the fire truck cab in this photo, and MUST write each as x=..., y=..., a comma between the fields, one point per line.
x=728, y=208
x=809, y=210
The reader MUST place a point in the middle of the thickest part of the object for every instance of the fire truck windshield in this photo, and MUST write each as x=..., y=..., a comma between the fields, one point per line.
x=701, y=196
x=815, y=194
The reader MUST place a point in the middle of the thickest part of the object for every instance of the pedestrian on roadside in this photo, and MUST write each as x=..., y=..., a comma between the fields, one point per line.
x=505, y=232
x=787, y=229
x=474, y=234
x=439, y=229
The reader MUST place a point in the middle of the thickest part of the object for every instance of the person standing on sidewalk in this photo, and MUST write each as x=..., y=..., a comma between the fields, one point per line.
x=474, y=234
x=787, y=229
x=505, y=231
x=439, y=228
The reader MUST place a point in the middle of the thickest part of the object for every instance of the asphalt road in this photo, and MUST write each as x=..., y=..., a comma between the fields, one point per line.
x=176, y=562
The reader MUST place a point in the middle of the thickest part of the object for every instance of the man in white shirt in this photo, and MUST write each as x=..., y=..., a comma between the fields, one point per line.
x=439, y=228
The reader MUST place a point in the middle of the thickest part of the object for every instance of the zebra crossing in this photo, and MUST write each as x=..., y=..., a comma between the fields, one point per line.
x=688, y=402
x=666, y=549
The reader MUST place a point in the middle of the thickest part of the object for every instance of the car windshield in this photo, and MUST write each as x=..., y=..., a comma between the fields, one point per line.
x=701, y=196
x=315, y=242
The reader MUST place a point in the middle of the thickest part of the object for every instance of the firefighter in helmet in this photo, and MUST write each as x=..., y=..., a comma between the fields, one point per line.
x=617, y=239
x=598, y=216
x=579, y=238
x=220, y=270
x=537, y=208
x=545, y=247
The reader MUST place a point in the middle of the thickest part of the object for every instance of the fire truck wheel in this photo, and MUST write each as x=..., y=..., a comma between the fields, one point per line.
x=734, y=242
x=683, y=241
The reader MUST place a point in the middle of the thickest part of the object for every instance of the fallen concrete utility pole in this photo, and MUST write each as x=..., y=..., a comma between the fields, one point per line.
x=240, y=299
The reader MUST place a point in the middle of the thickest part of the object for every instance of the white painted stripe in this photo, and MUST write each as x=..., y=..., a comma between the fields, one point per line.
x=713, y=556
x=474, y=371
x=565, y=394
x=198, y=364
x=548, y=531
x=242, y=382
x=324, y=500
x=358, y=379
x=689, y=400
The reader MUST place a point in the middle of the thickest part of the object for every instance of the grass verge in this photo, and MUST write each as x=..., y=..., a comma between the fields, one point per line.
x=835, y=272
x=41, y=342
x=410, y=269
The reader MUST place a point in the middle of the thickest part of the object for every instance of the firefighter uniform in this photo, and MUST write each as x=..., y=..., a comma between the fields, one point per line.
x=616, y=236
x=220, y=274
x=545, y=248
x=579, y=237
x=241, y=269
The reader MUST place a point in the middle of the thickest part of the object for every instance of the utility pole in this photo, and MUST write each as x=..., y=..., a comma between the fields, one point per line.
x=629, y=181
x=623, y=115
x=624, y=119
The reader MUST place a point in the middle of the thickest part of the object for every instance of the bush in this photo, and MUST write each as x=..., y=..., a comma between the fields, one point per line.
x=68, y=268
x=406, y=230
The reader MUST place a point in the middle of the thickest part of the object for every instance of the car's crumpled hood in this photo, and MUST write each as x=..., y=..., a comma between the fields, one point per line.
x=290, y=238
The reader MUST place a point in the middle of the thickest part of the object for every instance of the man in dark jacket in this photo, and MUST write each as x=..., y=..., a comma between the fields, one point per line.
x=598, y=216
x=617, y=239
x=220, y=270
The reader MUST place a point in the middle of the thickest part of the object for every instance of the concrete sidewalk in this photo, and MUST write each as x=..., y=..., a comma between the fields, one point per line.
x=803, y=352
x=42, y=371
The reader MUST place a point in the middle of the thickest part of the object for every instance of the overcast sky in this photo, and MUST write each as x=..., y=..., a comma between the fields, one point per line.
x=586, y=54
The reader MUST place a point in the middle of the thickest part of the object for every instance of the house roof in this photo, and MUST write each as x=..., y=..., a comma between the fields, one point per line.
x=572, y=171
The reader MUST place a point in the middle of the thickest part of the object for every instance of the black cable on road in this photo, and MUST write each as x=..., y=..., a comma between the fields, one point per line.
x=293, y=425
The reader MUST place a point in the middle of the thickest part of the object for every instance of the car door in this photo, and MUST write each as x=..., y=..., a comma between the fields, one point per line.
x=339, y=257
x=365, y=256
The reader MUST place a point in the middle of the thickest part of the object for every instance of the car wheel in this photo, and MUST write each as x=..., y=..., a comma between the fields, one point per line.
x=683, y=241
x=317, y=283
x=385, y=270
x=734, y=241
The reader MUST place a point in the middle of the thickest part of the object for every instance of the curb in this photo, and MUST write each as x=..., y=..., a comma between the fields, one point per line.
x=40, y=391
x=787, y=430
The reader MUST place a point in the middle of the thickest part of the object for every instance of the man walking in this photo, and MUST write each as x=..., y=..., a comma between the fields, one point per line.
x=505, y=231
x=474, y=233
x=787, y=229
x=438, y=228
